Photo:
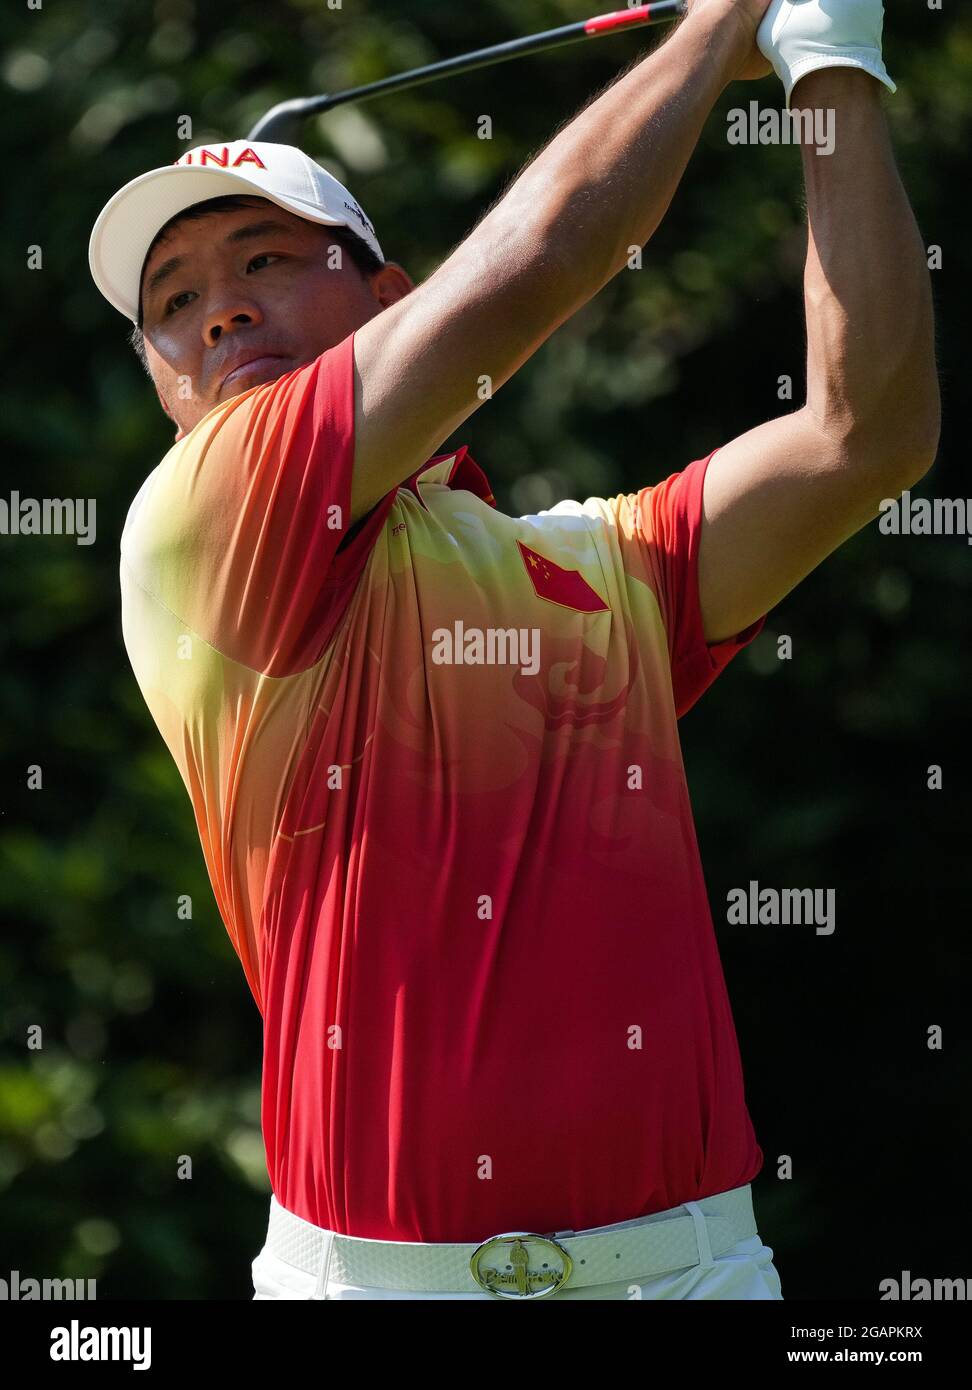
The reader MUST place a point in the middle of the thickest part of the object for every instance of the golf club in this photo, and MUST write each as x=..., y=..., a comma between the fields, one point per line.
x=281, y=120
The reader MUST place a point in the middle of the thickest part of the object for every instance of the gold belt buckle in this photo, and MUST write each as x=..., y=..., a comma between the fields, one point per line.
x=512, y=1266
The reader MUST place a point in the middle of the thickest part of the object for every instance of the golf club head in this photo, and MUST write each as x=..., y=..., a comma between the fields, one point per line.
x=281, y=123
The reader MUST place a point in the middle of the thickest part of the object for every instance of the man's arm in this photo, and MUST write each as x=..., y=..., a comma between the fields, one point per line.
x=559, y=234
x=782, y=497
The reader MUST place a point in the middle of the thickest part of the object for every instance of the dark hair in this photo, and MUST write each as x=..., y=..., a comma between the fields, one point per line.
x=359, y=251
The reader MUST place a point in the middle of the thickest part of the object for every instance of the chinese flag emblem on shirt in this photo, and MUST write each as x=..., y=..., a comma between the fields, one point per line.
x=569, y=588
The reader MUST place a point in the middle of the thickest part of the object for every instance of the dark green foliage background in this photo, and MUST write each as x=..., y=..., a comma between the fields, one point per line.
x=810, y=772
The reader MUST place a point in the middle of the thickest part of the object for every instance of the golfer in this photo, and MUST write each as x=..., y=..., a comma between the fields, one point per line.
x=432, y=750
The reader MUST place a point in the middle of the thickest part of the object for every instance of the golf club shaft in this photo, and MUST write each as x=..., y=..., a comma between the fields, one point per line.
x=280, y=118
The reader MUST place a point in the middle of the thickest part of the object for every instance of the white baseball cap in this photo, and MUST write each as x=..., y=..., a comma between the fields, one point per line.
x=130, y=220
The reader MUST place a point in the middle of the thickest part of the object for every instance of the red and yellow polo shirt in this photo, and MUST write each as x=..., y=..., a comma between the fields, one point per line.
x=436, y=775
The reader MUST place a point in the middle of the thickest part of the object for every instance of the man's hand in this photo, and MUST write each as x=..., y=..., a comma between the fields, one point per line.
x=746, y=17
x=802, y=36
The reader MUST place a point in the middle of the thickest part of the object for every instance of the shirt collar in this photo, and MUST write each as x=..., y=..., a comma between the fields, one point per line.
x=458, y=470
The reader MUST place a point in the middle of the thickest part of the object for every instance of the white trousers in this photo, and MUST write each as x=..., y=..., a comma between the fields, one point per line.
x=744, y=1271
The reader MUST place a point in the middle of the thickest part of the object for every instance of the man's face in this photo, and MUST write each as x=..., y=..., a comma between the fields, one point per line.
x=238, y=293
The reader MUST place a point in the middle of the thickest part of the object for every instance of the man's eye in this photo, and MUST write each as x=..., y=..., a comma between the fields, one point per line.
x=171, y=307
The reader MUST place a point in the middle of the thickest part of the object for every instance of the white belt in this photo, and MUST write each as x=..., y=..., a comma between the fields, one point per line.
x=520, y=1264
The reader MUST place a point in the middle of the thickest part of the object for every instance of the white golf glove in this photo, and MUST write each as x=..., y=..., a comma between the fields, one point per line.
x=799, y=36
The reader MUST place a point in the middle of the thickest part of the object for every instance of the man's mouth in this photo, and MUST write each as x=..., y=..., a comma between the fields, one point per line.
x=258, y=364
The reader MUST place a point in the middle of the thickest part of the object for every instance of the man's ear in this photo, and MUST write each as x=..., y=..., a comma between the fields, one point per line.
x=391, y=283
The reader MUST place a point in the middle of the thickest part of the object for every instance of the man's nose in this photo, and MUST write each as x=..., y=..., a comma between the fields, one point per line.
x=230, y=310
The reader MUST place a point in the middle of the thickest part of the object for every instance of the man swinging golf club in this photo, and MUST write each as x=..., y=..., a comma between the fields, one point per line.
x=432, y=750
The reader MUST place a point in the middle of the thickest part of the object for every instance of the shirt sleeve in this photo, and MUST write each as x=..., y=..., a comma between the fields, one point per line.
x=243, y=531
x=659, y=529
